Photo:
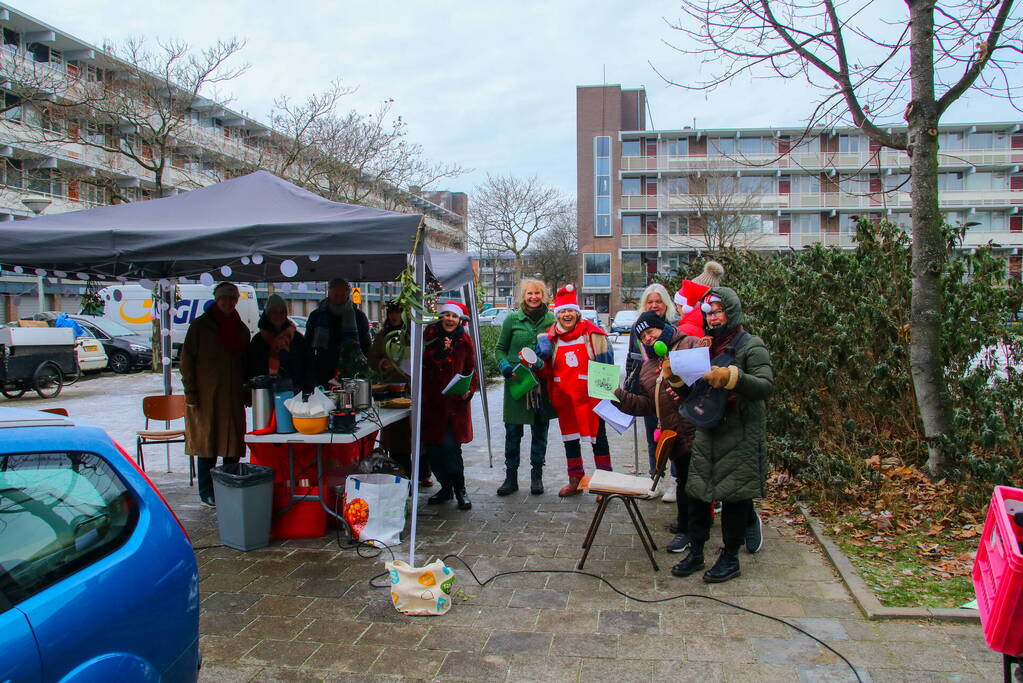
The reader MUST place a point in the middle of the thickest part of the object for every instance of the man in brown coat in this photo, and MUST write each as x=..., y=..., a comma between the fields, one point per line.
x=212, y=372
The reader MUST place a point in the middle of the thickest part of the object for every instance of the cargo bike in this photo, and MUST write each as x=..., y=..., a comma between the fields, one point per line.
x=42, y=359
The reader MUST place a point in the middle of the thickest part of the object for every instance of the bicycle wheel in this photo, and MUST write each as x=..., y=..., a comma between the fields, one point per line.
x=12, y=393
x=48, y=380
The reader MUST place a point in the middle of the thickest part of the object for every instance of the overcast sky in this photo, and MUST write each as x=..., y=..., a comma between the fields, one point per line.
x=486, y=85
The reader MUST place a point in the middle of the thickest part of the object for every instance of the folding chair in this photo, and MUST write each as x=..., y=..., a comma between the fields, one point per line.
x=627, y=488
x=167, y=409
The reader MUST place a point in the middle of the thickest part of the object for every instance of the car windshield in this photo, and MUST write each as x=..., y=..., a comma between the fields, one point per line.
x=112, y=328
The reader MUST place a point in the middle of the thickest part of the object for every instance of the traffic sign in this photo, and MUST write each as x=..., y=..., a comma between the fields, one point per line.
x=356, y=296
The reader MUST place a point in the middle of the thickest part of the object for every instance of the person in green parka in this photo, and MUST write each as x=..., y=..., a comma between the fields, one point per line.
x=729, y=460
x=520, y=330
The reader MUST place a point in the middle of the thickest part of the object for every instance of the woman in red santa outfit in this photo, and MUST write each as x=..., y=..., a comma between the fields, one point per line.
x=447, y=418
x=572, y=343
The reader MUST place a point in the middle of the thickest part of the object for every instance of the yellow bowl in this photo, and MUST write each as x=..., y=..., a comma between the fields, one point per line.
x=310, y=425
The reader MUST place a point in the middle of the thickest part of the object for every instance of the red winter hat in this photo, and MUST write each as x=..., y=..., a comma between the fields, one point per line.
x=693, y=290
x=565, y=299
x=455, y=307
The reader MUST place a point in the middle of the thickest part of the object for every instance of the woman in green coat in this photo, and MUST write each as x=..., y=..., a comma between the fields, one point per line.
x=729, y=460
x=520, y=330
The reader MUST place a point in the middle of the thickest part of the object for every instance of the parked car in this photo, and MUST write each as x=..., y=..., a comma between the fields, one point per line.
x=493, y=317
x=91, y=355
x=125, y=349
x=624, y=321
x=592, y=315
x=98, y=579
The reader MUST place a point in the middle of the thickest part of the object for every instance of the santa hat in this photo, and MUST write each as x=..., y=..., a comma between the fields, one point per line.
x=692, y=290
x=455, y=307
x=565, y=299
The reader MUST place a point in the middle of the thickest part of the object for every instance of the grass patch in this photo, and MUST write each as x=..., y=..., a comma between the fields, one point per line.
x=899, y=572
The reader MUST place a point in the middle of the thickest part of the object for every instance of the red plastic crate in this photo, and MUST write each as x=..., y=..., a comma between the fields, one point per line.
x=304, y=519
x=998, y=574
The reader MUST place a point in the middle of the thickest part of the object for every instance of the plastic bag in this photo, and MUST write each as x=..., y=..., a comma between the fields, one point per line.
x=318, y=405
x=420, y=591
x=374, y=506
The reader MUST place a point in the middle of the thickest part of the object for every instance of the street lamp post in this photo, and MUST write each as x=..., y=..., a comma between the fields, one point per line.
x=37, y=205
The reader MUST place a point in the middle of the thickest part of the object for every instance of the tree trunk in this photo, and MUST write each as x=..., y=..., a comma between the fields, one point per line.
x=926, y=361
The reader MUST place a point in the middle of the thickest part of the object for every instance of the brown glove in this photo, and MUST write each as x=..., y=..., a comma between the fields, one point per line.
x=725, y=378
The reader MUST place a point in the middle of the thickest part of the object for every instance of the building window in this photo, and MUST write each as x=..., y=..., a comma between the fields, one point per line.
x=805, y=184
x=756, y=184
x=631, y=148
x=721, y=146
x=675, y=147
x=950, y=182
x=596, y=270
x=602, y=186
x=849, y=144
x=896, y=182
x=632, y=225
x=633, y=271
x=754, y=146
x=806, y=223
x=951, y=141
x=678, y=186
x=981, y=140
x=677, y=225
x=632, y=187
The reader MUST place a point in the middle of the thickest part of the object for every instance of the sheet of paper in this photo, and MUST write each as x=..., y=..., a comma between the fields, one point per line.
x=615, y=418
x=602, y=380
x=690, y=364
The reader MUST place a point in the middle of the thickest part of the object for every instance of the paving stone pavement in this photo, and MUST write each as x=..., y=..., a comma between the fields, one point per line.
x=303, y=610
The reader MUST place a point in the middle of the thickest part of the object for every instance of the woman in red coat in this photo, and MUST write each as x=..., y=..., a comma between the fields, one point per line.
x=447, y=419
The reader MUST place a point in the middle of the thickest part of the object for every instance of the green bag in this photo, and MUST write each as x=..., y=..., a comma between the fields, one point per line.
x=521, y=381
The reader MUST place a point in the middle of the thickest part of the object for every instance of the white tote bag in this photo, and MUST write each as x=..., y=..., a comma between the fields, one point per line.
x=421, y=591
x=374, y=506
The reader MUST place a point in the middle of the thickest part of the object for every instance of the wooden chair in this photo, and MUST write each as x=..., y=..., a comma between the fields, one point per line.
x=628, y=489
x=167, y=409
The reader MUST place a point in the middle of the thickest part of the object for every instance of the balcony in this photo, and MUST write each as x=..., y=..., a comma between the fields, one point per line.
x=798, y=162
x=822, y=201
x=756, y=241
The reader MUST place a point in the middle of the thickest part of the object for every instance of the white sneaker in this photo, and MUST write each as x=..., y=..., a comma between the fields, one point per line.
x=669, y=491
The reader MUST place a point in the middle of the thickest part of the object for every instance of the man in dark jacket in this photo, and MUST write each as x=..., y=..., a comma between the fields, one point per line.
x=338, y=334
x=729, y=460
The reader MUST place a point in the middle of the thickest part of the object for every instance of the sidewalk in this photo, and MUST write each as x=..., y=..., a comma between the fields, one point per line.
x=303, y=610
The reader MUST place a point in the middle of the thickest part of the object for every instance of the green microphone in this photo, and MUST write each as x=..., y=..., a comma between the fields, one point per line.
x=660, y=348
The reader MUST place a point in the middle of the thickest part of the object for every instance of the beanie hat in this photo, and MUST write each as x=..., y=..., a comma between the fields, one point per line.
x=455, y=307
x=692, y=290
x=565, y=299
x=647, y=320
x=275, y=301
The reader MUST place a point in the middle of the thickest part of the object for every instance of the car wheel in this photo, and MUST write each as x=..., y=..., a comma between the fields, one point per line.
x=47, y=380
x=120, y=362
x=12, y=393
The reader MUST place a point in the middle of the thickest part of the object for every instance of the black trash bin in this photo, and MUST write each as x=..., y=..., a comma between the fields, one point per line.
x=244, y=496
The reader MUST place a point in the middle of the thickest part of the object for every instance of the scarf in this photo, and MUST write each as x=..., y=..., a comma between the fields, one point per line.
x=436, y=334
x=719, y=344
x=231, y=331
x=277, y=341
x=534, y=314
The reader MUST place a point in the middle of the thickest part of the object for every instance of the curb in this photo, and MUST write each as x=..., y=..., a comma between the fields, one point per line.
x=865, y=598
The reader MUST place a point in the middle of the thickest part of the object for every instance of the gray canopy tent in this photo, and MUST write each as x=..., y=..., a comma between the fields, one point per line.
x=255, y=228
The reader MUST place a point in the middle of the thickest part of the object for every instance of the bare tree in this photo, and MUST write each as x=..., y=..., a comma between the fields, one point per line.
x=516, y=211
x=869, y=71
x=555, y=256
x=722, y=214
x=140, y=113
x=348, y=156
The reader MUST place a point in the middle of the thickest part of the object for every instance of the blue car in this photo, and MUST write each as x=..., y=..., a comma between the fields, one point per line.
x=98, y=581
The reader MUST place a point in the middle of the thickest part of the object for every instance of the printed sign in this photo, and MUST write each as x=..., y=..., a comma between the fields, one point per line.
x=602, y=380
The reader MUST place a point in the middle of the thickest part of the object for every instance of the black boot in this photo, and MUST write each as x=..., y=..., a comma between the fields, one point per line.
x=725, y=569
x=445, y=494
x=463, y=499
x=536, y=481
x=692, y=563
x=511, y=483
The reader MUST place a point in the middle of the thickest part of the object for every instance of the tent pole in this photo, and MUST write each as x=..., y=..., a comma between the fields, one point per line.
x=163, y=315
x=469, y=294
x=417, y=398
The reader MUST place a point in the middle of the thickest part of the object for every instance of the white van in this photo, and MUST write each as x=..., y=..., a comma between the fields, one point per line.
x=133, y=308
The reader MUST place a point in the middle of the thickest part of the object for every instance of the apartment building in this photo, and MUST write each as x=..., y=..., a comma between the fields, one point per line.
x=652, y=199
x=46, y=163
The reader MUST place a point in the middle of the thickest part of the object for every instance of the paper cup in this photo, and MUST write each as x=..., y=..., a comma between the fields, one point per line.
x=528, y=357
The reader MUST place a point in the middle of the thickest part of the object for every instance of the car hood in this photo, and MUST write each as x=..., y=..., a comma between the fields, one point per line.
x=139, y=339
